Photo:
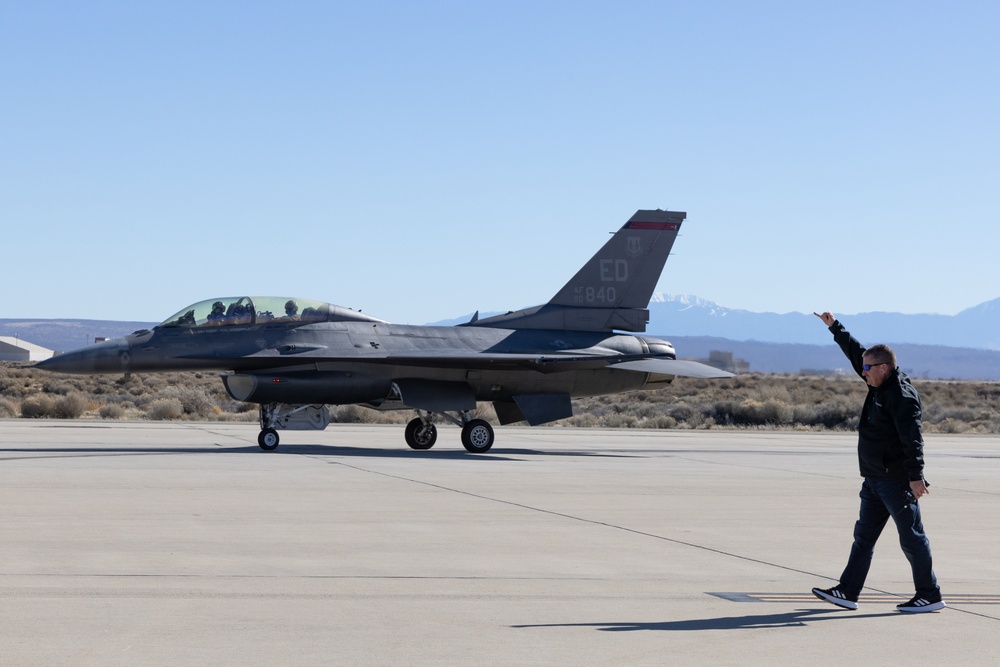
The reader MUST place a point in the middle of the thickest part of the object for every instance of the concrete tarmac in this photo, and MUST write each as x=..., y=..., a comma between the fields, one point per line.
x=129, y=543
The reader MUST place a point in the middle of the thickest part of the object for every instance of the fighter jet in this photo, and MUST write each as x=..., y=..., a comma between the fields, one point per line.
x=296, y=357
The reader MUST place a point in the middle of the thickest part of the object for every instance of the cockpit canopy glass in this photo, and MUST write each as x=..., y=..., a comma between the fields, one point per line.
x=245, y=311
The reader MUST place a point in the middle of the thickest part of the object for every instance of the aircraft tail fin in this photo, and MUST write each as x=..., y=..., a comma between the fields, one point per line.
x=624, y=273
x=613, y=289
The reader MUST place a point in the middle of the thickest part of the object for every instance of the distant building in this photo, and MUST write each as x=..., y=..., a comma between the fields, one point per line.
x=725, y=361
x=14, y=349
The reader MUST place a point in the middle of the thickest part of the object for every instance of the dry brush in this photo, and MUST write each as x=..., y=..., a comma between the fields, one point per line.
x=746, y=401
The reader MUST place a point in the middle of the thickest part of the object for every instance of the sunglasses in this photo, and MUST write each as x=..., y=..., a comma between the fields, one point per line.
x=868, y=367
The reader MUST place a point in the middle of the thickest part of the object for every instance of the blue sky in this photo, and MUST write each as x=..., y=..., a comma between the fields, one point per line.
x=421, y=160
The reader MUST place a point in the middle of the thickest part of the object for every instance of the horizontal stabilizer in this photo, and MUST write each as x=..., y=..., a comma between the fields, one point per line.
x=677, y=367
x=569, y=318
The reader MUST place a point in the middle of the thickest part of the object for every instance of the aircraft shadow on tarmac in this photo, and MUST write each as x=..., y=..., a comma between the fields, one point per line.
x=797, y=618
x=505, y=454
x=298, y=450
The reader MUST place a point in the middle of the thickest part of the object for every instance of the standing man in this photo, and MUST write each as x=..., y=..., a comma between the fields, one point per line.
x=891, y=456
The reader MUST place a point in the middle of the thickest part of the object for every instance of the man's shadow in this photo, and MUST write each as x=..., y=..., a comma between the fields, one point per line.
x=797, y=618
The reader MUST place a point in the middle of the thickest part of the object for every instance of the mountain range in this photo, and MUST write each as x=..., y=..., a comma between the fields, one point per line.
x=977, y=327
x=962, y=346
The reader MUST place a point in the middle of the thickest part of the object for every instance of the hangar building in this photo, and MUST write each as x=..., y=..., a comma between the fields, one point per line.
x=14, y=349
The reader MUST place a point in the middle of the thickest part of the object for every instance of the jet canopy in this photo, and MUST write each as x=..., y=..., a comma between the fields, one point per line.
x=246, y=311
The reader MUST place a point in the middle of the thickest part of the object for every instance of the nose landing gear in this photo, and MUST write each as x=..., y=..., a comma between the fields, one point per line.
x=268, y=439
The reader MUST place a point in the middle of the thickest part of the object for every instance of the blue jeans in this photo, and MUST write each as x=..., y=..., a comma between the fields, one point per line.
x=880, y=499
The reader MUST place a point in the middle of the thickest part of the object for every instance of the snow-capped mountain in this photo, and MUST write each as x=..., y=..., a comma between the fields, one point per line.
x=686, y=315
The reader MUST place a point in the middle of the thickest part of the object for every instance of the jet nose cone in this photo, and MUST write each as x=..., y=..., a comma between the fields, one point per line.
x=108, y=357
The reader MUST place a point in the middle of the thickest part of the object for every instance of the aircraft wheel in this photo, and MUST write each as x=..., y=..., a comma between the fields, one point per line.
x=477, y=436
x=420, y=435
x=268, y=439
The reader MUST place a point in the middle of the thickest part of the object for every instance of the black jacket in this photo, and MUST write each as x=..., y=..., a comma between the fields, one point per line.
x=890, y=443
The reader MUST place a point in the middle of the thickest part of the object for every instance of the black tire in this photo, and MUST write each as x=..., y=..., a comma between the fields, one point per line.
x=268, y=439
x=419, y=435
x=477, y=436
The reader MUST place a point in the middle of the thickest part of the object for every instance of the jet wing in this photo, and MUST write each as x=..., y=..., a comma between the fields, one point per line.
x=554, y=363
x=546, y=363
x=543, y=363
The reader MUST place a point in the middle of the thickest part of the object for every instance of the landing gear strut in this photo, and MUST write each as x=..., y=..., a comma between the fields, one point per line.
x=477, y=434
x=268, y=438
x=275, y=416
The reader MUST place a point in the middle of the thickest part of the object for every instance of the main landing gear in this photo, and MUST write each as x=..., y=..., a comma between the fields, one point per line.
x=420, y=433
x=477, y=434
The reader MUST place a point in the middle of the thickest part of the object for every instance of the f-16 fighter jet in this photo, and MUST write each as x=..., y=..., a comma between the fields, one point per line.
x=296, y=357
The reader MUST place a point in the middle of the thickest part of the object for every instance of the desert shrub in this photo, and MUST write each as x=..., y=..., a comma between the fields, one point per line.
x=838, y=413
x=70, y=406
x=164, y=409
x=103, y=386
x=485, y=412
x=620, y=421
x=935, y=413
x=662, y=421
x=60, y=388
x=7, y=408
x=645, y=410
x=248, y=417
x=696, y=420
x=991, y=393
x=156, y=383
x=237, y=407
x=680, y=411
x=952, y=426
x=585, y=420
x=14, y=389
x=773, y=393
x=352, y=414
x=751, y=400
x=776, y=411
x=111, y=411
x=194, y=402
x=599, y=409
x=356, y=414
x=752, y=412
x=38, y=406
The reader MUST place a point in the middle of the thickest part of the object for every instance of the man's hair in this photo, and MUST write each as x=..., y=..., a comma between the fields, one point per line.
x=881, y=354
